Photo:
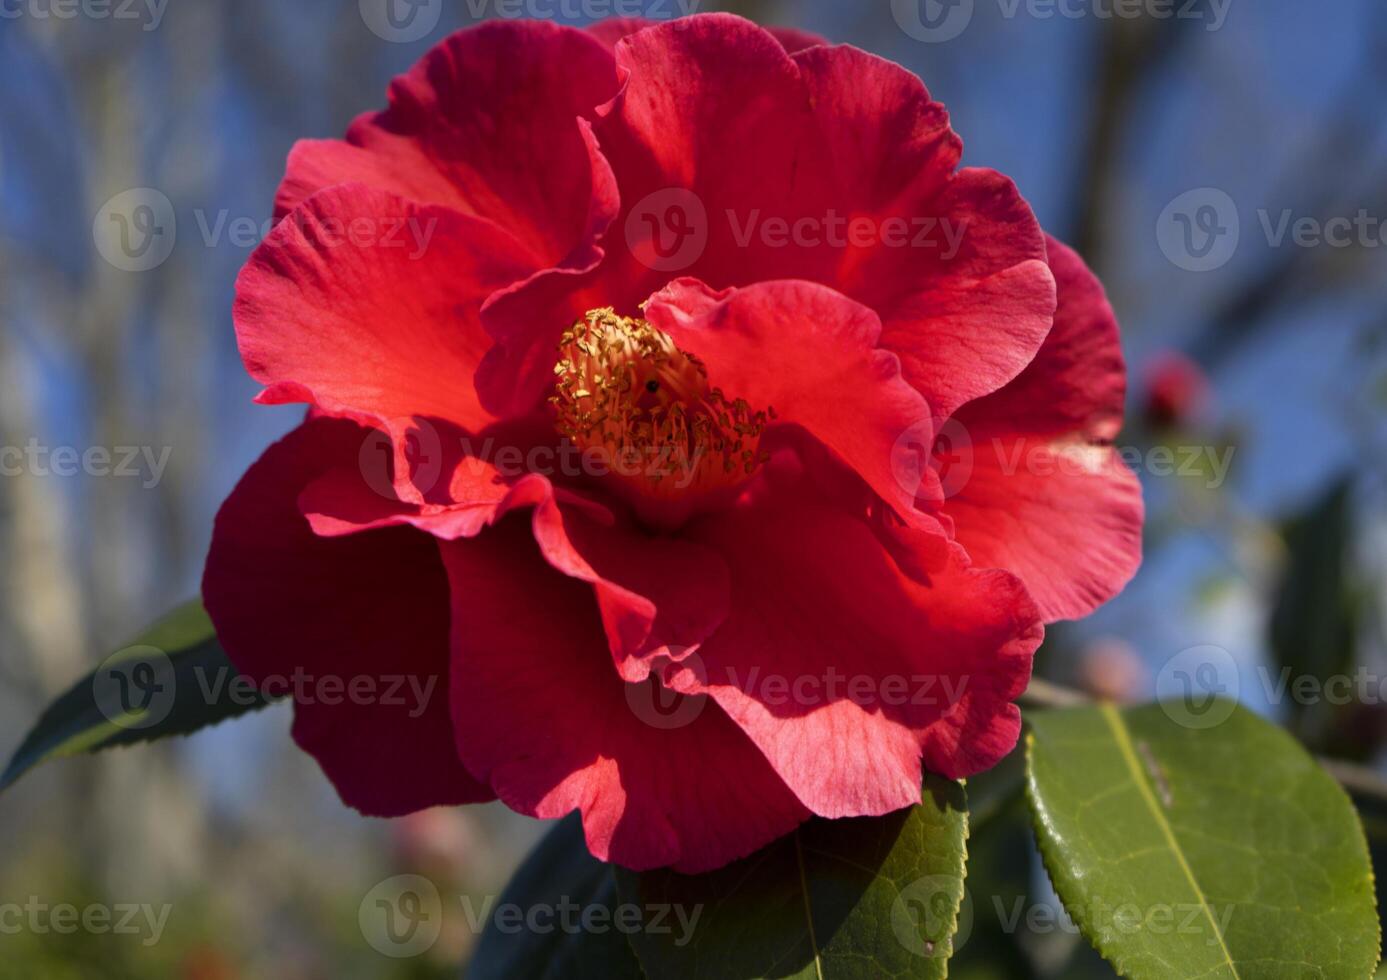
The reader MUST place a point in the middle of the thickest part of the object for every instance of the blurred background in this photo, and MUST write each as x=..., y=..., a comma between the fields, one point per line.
x=1221, y=163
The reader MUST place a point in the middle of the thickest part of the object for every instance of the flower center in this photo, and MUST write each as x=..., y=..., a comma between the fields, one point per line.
x=626, y=391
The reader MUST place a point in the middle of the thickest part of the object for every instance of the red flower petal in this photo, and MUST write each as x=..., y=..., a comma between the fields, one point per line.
x=1048, y=498
x=968, y=325
x=794, y=40
x=678, y=123
x=613, y=29
x=356, y=611
x=962, y=287
x=849, y=157
x=367, y=305
x=657, y=595
x=812, y=354
x=339, y=503
x=686, y=789
x=789, y=160
x=488, y=123
x=714, y=106
x=886, y=667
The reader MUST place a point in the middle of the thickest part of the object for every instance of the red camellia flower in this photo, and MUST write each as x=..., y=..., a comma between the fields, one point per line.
x=1176, y=389
x=629, y=356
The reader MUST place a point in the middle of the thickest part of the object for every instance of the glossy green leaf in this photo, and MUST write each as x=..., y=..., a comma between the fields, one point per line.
x=558, y=918
x=1218, y=853
x=172, y=680
x=861, y=898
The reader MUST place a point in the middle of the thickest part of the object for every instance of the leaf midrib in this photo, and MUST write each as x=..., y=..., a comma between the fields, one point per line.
x=1129, y=756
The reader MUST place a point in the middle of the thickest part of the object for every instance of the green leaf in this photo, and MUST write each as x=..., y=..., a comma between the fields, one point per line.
x=872, y=897
x=1217, y=853
x=571, y=898
x=1316, y=617
x=172, y=680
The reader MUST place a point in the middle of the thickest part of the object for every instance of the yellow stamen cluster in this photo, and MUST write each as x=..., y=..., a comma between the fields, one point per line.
x=624, y=389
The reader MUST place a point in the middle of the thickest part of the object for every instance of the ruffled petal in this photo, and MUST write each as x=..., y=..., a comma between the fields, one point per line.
x=811, y=354
x=979, y=319
x=489, y=123
x=794, y=40
x=680, y=122
x=326, y=618
x=952, y=260
x=658, y=596
x=846, y=670
x=321, y=316
x=1047, y=497
x=842, y=170
x=715, y=113
x=739, y=163
x=543, y=717
x=613, y=29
